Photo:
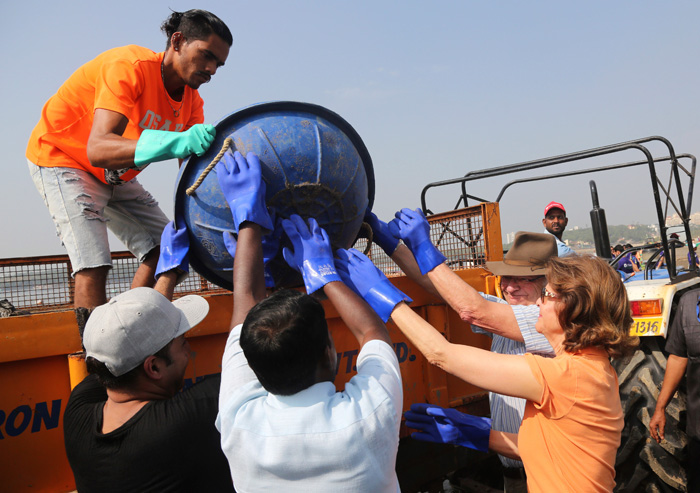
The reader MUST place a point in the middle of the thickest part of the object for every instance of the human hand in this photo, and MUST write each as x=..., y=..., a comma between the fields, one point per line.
x=412, y=227
x=174, y=249
x=240, y=179
x=381, y=234
x=159, y=145
x=194, y=140
x=363, y=277
x=311, y=252
x=444, y=425
x=657, y=425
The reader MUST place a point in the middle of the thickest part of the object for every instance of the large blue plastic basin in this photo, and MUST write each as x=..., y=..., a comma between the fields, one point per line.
x=314, y=164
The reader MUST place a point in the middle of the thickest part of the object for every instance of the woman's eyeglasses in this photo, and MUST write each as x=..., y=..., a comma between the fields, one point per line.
x=547, y=294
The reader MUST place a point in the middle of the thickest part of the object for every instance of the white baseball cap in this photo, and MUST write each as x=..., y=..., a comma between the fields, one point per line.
x=136, y=324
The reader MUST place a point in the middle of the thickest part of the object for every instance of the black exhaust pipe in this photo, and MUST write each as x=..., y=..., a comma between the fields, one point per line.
x=599, y=225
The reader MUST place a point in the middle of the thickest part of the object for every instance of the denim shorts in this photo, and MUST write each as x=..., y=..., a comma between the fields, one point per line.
x=82, y=208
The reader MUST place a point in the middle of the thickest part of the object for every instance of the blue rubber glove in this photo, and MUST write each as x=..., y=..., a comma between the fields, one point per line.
x=174, y=249
x=311, y=254
x=270, y=248
x=363, y=277
x=414, y=230
x=159, y=145
x=381, y=234
x=443, y=425
x=240, y=179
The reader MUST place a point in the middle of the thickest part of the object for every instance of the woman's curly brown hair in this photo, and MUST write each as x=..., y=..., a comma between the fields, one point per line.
x=595, y=309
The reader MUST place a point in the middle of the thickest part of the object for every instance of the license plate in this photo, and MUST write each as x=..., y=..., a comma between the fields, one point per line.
x=646, y=327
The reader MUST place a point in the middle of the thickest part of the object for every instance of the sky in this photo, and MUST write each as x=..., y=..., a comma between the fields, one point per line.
x=435, y=90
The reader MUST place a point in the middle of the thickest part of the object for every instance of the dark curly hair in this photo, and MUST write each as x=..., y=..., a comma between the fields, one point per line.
x=195, y=24
x=596, y=311
x=285, y=338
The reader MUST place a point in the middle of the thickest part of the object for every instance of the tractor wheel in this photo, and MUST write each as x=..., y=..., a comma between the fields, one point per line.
x=641, y=463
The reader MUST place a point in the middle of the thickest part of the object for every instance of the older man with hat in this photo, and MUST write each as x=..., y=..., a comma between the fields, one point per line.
x=127, y=425
x=510, y=322
x=554, y=223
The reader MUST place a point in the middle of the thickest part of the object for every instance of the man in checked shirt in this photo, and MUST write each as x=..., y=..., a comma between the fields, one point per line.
x=510, y=322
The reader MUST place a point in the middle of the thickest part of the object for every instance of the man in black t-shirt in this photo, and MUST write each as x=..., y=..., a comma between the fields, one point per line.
x=127, y=426
x=683, y=346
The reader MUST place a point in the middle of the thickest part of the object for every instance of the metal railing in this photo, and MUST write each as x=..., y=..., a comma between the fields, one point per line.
x=41, y=284
x=671, y=192
x=458, y=234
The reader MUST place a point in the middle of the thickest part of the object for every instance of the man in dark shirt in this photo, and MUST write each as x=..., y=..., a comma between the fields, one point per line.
x=127, y=426
x=683, y=346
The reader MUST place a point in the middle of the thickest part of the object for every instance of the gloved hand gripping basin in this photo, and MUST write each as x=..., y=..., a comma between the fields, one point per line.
x=313, y=163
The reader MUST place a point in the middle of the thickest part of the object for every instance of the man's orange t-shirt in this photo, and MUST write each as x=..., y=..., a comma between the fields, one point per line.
x=568, y=442
x=126, y=80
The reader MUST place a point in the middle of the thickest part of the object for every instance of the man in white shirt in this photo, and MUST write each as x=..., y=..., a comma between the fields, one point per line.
x=283, y=425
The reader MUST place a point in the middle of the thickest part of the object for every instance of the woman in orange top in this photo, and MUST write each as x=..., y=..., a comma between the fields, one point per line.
x=573, y=418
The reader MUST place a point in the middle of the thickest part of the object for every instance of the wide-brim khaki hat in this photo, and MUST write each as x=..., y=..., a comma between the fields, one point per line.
x=527, y=256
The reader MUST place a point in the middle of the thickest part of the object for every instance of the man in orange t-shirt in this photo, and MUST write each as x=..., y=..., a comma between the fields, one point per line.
x=114, y=116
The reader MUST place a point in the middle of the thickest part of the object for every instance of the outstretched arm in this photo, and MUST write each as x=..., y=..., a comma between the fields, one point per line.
x=407, y=263
x=362, y=321
x=398, y=252
x=311, y=254
x=414, y=230
x=166, y=283
x=497, y=318
x=504, y=374
x=248, y=276
x=240, y=180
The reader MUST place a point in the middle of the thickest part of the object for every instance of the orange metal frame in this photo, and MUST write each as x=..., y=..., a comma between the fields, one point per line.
x=38, y=368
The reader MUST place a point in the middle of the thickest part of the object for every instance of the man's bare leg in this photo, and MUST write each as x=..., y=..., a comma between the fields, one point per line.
x=144, y=276
x=90, y=291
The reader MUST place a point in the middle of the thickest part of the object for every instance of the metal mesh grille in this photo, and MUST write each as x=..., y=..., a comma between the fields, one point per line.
x=379, y=258
x=457, y=234
x=460, y=237
x=37, y=284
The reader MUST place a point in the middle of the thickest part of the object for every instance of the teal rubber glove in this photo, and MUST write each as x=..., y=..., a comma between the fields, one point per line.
x=174, y=249
x=363, y=277
x=240, y=179
x=159, y=145
x=381, y=234
x=414, y=230
x=311, y=252
x=443, y=425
